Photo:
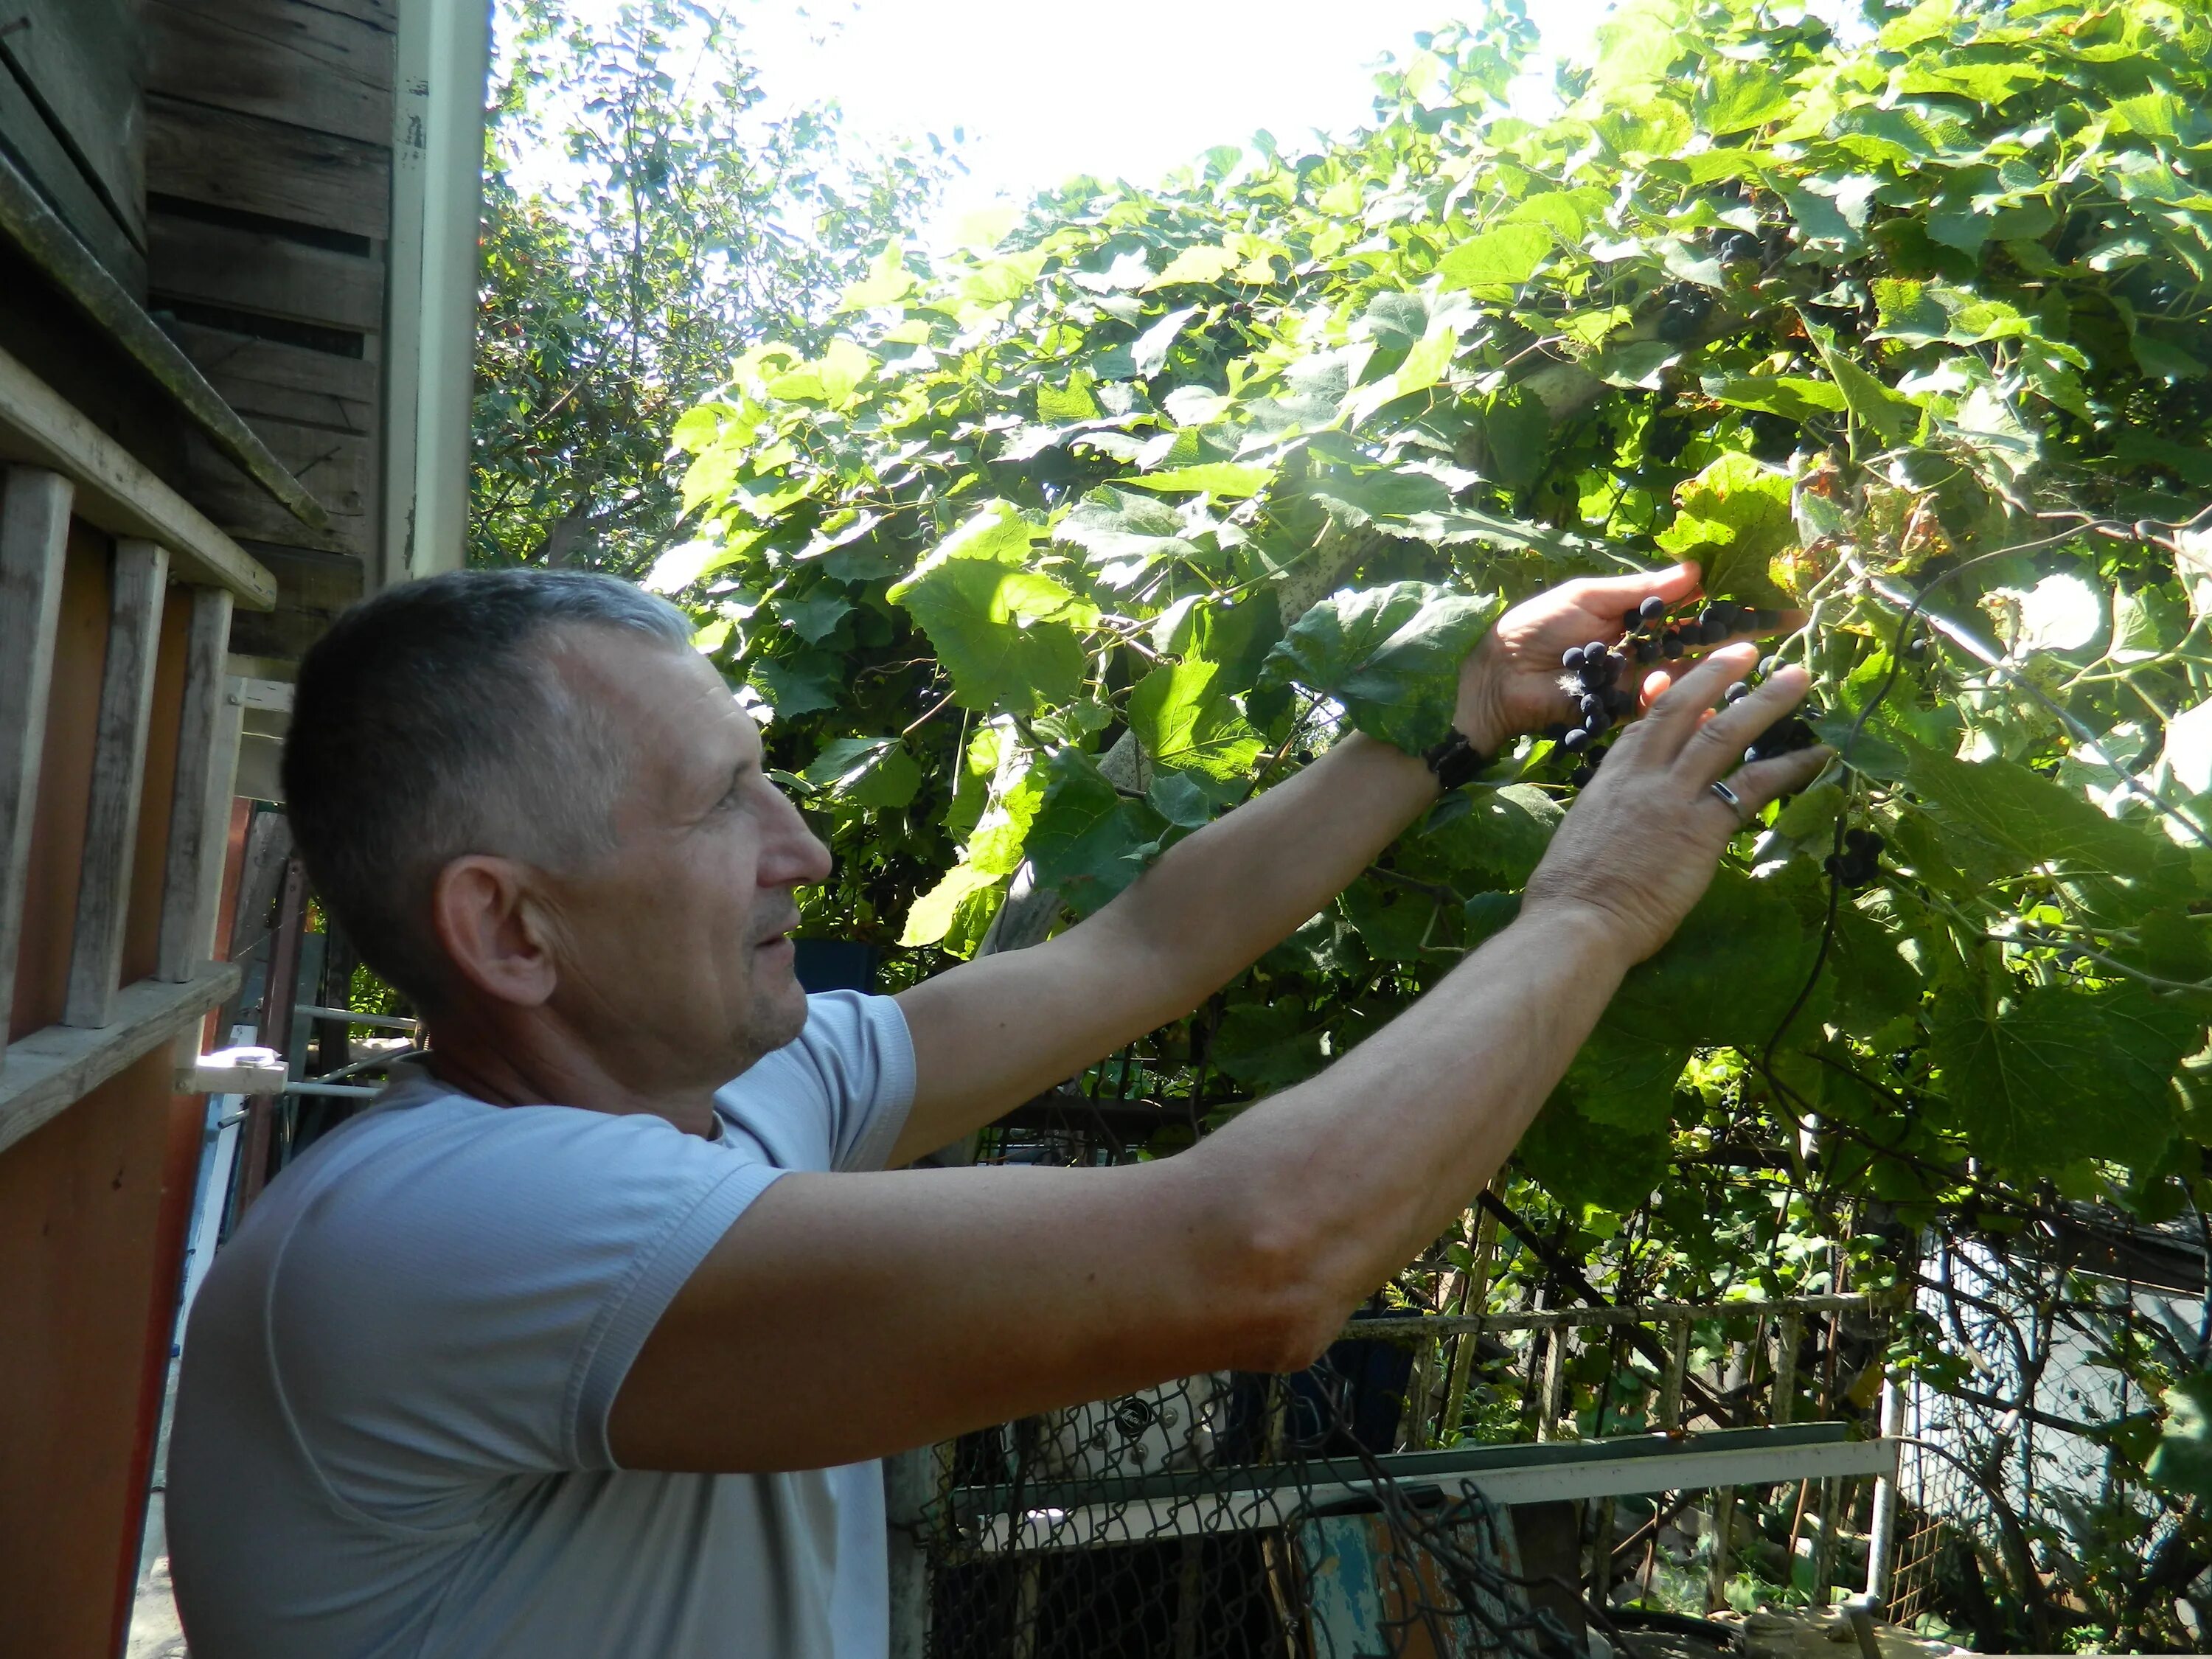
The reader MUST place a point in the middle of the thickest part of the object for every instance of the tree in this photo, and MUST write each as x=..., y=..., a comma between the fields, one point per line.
x=1058, y=547
x=647, y=219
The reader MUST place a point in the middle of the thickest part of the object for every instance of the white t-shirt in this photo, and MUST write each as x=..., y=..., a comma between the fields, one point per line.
x=390, y=1433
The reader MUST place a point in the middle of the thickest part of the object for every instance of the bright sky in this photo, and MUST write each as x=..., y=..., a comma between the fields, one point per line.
x=1043, y=90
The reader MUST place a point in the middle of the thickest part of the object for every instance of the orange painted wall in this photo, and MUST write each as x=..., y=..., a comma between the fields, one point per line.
x=93, y=1206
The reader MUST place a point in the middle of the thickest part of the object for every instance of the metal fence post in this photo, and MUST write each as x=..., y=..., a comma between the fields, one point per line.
x=1882, y=1533
x=909, y=1483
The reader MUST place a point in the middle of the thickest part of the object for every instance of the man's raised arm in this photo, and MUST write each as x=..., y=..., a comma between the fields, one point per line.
x=993, y=1033
x=918, y=1304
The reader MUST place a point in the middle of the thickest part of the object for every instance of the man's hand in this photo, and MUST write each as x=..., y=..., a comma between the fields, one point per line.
x=1509, y=684
x=1641, y=844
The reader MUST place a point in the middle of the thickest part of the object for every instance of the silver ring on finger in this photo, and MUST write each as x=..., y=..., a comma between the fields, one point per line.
x=1732, y=800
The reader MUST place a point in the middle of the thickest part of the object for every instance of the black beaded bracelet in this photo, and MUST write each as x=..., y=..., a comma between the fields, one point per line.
x=1455, y=761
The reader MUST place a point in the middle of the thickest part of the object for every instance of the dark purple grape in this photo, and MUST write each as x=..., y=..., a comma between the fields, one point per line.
x=1575, y=741
x=1736, y=693
x=1597, y=723
x=1651, y=610
x=1594, y=651
x=1766, y=666
x=1591, y=702
x=1646, y=651
x=1572, y=659
x=1556, y=730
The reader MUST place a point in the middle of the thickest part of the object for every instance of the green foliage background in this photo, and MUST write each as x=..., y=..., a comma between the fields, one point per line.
x=1060, y=545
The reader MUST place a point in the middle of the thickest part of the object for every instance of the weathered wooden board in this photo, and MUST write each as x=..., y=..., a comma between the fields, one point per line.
x=118, y=770
x=269, y=380
x=50, y=1071
x=199, y=812
x=286, y=59
x=273, y=275
x=115, y=492
x=120, y=250
x=230, y=498
x=317, y=588
x=254, y=164
x=81, y=58
x=34, y=514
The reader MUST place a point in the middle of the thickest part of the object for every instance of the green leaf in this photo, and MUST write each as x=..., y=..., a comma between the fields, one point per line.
x=797, y=685
x=1182, y=715
x=1088, y=839
x=830, y=378
x=1728, y=975
x=887, y=282
x=1795, y=397
x=1734, y=517
x=1196, y=264
x=2183, y=1461
x=1583, y=1163
x=1625, y=1079
x=1227, y=479
x=2056, y=1074
x=1391, y=655
x=1502, y=258
x=1007, y=636
x=1733, y=97
x=869, y=772
x=1059, y=405
x=814, y=618
x=1113, y=525
x=932, y=912
x=1266, y=1046
x=1381, y=497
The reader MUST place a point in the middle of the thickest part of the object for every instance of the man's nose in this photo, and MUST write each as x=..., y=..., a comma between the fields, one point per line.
x=795, y=856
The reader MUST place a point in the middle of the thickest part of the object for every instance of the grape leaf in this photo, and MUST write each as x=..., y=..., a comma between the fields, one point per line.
x=1581, y=1162
x=1390, y=654
x=1005, y=634
x=1088, y=839
x=2183, y=1461
x=1625, y=1079
x=1392, y=921
x=1267, y=1045
x=932, y=912
x=1728, y=975
x=2059, y=1074
x=867, y=771
x=1496, y=258
x=1735, y=516
x=1183, y=714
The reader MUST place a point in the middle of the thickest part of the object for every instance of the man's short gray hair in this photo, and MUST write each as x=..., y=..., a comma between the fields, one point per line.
x=430, y=722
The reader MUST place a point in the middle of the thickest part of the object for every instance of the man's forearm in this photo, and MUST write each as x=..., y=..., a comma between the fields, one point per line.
x=1370, y=1161
x=1215, y=901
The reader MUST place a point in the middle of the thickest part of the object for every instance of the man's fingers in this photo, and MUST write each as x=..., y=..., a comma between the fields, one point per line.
x=1761, y=781
x=1712, y=751
x=1672, y=715
x=1613, y=596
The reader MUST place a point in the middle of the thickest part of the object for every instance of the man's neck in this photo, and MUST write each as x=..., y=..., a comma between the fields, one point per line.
x=488, y=1074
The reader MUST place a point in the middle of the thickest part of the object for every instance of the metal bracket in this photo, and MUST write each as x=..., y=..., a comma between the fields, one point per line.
x=234, y=1072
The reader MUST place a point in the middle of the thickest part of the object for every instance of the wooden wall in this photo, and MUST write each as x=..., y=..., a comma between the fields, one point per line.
x=268, y=193
x=93, y=1206
x=68, y=119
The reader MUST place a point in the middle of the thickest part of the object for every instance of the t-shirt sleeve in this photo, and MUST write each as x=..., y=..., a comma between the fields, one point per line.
x=466, y=1303
x=838, y=1097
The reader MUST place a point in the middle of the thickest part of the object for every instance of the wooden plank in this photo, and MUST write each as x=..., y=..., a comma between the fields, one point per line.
x=118, y=769
x=243, y=511
x=115, y=492
x=280, y=58
x=50, y=1071
x=255, y=165
x=199, y=814
x=286, y=382
x=34, y=518
x=29, y=221
x=118, y=245
x=252, y=270
x=81, y=58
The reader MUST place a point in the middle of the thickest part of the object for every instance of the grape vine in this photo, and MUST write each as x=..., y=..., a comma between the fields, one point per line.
x=1072, y=539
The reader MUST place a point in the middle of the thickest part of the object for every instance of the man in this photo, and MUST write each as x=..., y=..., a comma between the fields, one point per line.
x=571, y=1345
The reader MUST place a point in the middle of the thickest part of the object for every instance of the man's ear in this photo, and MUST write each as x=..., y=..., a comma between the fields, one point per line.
x=489, y=920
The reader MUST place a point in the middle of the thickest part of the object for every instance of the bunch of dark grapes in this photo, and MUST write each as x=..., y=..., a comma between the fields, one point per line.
x=1592, y=675
x=1788, y=735
x=1860, y=861
x=1654, y=636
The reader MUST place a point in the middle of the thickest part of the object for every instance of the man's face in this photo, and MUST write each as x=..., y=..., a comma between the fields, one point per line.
x=675, y=963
